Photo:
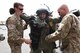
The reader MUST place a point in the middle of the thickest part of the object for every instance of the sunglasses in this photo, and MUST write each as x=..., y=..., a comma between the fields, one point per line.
x=20, y=9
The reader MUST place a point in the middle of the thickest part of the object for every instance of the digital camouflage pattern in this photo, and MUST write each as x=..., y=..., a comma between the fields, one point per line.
x=69, y=29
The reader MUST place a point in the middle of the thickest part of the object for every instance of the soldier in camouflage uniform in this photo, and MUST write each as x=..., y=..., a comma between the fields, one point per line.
x=39, y=29
x=63, y=10
x=15, y=28
x=68, y=30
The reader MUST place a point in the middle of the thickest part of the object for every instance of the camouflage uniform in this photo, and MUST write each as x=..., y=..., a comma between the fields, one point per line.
x=15, y=32
x=68, y=29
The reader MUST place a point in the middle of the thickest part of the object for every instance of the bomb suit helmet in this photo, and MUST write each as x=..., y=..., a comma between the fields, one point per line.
x=40, y=11
x=43, y=8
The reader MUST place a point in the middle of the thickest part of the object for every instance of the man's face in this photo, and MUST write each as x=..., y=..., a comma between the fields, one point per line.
x=42, y=15
x=19, y=9
x=62, y=12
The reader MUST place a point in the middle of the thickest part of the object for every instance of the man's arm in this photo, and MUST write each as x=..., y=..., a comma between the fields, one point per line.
x=10, y=24
x=62, y=30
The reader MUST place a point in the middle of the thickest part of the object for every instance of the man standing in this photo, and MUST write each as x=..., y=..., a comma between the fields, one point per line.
x=15, y=29
x=39, y=29
x=62, y=10
x=68, y=30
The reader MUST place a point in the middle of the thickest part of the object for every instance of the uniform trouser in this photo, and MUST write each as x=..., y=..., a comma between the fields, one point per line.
x=15, y=48
x=45, y=50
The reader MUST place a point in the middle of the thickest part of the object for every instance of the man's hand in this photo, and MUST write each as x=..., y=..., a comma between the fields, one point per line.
x=27, y=41
x=50, y=37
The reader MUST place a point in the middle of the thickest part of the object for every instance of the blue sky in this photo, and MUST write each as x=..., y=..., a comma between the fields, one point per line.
x=30, y=6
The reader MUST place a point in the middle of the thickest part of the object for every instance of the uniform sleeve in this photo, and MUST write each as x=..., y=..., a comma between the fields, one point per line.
x=27, y=20
x=10, y=24
x=62, y=30
x=25, y=17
